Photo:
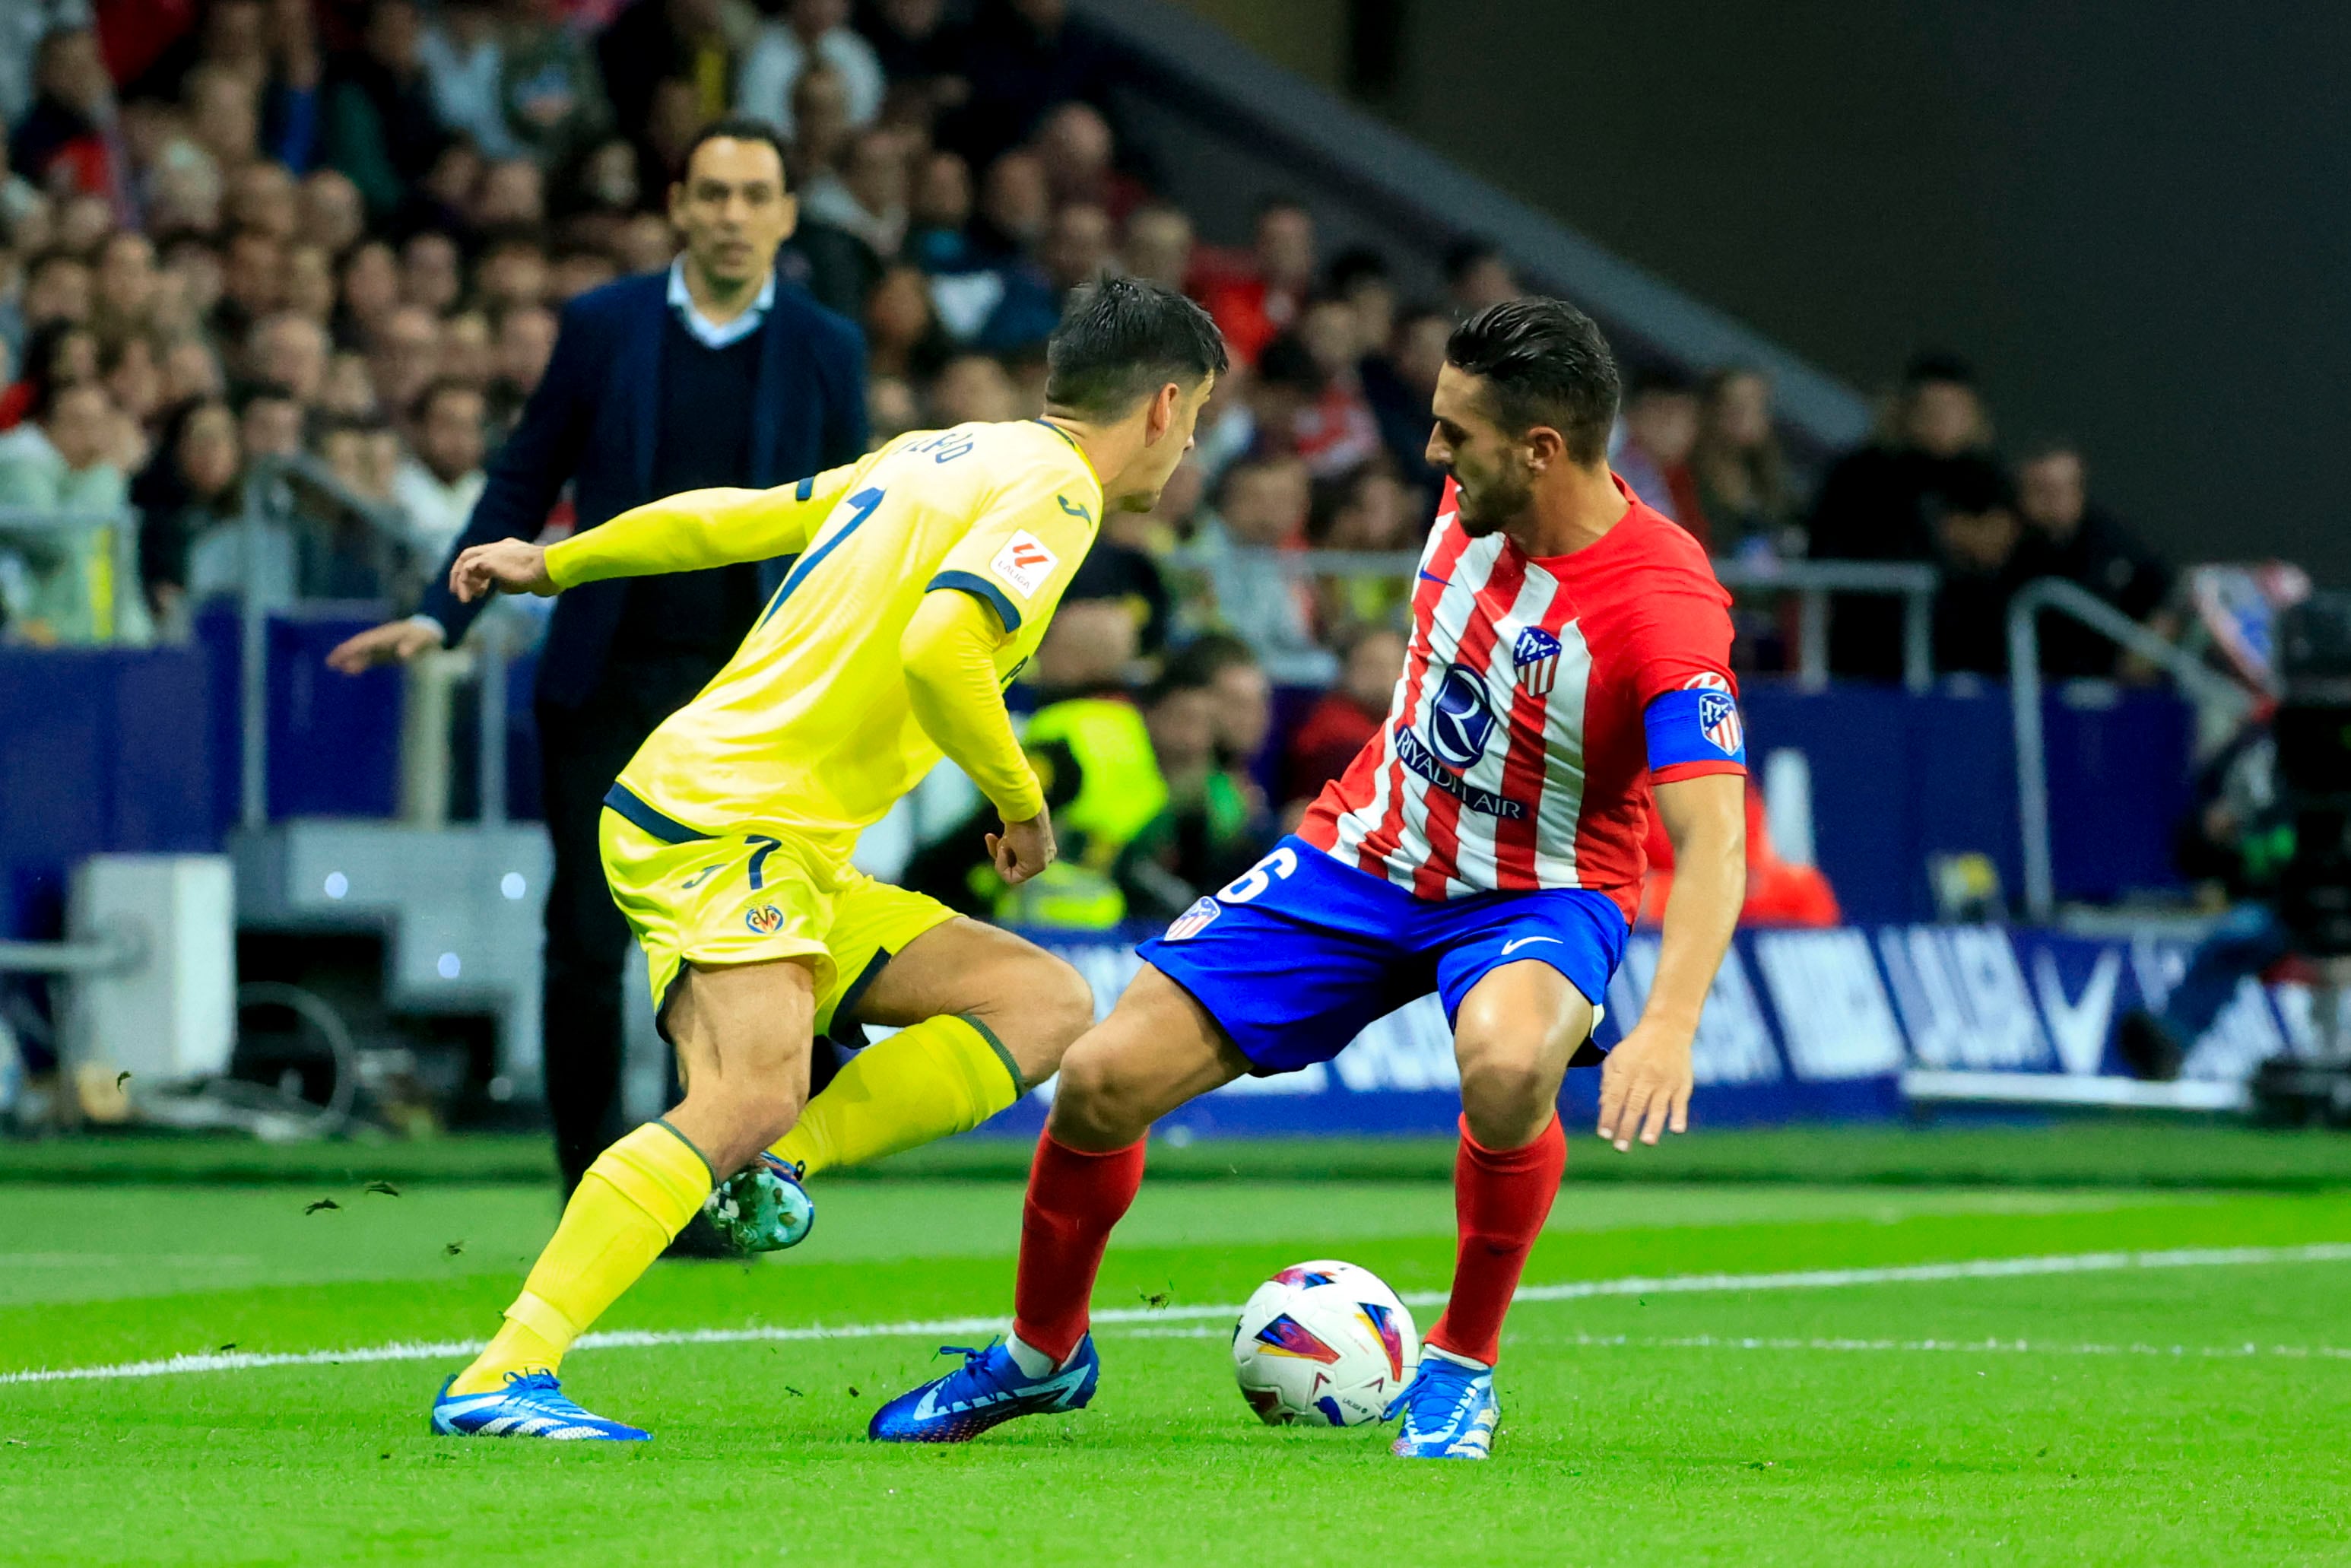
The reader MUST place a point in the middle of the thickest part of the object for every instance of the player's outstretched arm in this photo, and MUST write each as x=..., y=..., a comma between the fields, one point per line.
x=948, y=651
x=1645, y=1086
x=696, y=529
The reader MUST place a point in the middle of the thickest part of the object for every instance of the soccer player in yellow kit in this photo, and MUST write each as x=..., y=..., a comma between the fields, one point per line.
x=927, y=574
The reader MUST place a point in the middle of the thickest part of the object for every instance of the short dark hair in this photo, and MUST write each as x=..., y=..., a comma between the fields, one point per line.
x=1464, y=257
x=735, y=127
x=1121, y=339
x=1195, y=665
x=1971, y=484
x=1542, y=361
x=1930, y=367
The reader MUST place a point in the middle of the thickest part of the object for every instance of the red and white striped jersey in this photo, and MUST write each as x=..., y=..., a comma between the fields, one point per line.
x=1515, y=754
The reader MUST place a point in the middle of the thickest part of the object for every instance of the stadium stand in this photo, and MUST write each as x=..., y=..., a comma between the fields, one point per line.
x=276, y=274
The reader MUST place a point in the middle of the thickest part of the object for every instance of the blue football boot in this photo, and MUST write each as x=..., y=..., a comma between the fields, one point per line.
x=531, y=1404
x=763, y=1210
x=1449, y=1411
x=987, y=1390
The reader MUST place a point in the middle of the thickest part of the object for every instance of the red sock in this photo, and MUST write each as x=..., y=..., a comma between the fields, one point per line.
x=1074, y=1199
x=1501, y=1199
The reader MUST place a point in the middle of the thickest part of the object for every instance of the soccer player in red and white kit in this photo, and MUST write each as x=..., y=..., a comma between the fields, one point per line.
x=1568, y=672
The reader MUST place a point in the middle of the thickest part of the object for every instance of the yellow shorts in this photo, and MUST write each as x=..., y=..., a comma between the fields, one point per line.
x=755, y=895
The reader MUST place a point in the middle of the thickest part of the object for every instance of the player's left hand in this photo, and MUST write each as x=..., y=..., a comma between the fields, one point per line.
x=1023, y=849
x=504, y=566
x=1644, y=1085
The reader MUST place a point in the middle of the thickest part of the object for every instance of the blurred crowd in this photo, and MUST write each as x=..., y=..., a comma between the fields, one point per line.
x=337, y=234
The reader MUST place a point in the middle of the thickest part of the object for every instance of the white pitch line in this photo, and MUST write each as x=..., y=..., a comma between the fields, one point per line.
x=1579, y=1290
x=1965, y=1347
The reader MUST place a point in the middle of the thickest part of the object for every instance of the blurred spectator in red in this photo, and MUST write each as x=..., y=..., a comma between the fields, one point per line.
x=1778, y=891
x=70, y=129
x=1159, y=244
x=1477, y=275
x=1742, y=475
x=1659, y=430
x=1023, y=58
x=57, y=353
x=1872, y=505
x=380, y=126
x=1254, y=304
x=808, y=30
x=1345, y=716
x=1334, y=431
x=2067, y=534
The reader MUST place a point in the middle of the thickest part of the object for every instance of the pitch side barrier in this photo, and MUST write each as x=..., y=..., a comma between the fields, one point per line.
x=1847, y=1024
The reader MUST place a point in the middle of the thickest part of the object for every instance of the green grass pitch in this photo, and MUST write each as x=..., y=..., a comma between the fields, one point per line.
x=2126, y=1415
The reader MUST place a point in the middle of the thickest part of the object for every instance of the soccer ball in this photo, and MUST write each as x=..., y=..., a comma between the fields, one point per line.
x=1324, y=1345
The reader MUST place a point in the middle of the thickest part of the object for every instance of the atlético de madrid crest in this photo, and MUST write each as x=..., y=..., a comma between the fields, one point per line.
x=1536, y=653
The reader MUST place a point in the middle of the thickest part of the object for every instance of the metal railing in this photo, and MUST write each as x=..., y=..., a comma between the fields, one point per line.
x=1812, y=582
x=282, y=492
x=2024, y=687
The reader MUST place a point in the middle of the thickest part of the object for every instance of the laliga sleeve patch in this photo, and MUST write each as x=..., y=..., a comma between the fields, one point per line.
x=1024, y=563
x=1698, y=724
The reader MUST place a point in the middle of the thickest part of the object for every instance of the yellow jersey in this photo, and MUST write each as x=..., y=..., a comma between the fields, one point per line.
x=809, y=727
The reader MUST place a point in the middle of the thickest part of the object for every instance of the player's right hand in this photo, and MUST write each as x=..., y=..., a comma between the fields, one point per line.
x=504, y=566
x=394, y=642
x=1023, y=849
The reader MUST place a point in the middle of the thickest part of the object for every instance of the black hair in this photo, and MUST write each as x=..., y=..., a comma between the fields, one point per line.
x=1353, y=266
x=1195, y=665
x=1971, y=484
x=735, y=127
x=1464, y=255
x=1931, y=366
x=1280, y=201
x=1285, y=363
x=1121, y=340
x=1542, y=361
x=1669, y=379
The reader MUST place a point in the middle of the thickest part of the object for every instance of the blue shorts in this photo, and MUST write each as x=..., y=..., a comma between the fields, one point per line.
x=1301, y=951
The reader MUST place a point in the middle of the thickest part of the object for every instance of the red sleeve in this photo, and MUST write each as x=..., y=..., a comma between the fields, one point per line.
x=1680, y=642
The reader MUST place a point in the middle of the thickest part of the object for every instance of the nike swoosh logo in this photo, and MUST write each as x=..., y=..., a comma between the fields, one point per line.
x=1511, y=947
x=1440, y=581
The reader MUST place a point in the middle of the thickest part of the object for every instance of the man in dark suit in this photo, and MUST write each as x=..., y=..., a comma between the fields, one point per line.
x=712, y=374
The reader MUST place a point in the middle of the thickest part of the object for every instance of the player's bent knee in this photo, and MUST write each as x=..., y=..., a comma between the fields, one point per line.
x=1094, y=1104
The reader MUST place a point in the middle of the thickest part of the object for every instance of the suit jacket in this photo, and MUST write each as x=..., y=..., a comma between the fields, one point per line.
x=593, y=421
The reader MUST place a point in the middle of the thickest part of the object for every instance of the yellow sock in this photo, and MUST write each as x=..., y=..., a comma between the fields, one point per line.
x=637, y=1196
x=944, y=1075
